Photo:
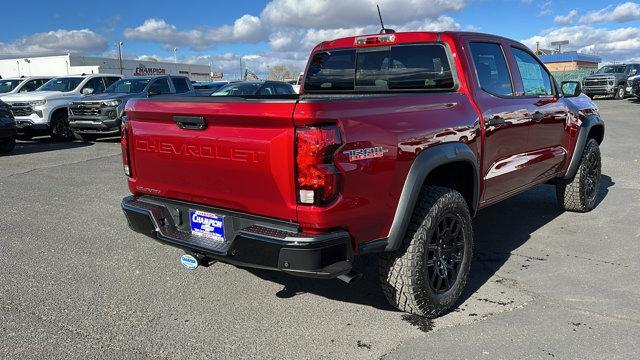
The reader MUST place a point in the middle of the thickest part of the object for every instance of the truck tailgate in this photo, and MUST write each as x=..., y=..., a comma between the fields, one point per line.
x=242, y=160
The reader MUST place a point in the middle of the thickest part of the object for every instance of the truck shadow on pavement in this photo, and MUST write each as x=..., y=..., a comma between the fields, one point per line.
x=499, y=230
x=39, y=145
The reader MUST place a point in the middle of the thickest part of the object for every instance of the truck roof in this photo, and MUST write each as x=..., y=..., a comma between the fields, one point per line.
x=403, y=38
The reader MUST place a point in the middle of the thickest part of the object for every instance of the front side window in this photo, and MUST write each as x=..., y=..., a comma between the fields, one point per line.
x=535, y=78
x=96, y=84
x=491, y=68
x=160, y=86
x=64, y=84
x=399, y=67
x=30, y=85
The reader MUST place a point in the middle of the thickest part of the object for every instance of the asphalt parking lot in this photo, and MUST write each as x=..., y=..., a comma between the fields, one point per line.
x=75, y=282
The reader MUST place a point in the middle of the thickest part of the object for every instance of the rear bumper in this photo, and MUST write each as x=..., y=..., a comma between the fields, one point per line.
x=250, y=241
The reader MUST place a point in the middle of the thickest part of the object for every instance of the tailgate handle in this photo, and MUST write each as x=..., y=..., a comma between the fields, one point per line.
x=190, y=122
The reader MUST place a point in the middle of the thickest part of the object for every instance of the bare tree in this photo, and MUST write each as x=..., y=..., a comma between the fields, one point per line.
x=280, y=73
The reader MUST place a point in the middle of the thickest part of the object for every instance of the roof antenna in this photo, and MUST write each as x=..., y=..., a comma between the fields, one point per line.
x=383, y=30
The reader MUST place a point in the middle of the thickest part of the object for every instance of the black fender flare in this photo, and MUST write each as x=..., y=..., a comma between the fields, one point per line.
x=588, y=123
x=426, y=161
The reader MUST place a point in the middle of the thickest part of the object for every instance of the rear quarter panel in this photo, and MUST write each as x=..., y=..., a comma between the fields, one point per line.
x=404, y=125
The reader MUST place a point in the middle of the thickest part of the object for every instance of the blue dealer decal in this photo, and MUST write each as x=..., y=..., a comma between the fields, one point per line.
x=207, y=225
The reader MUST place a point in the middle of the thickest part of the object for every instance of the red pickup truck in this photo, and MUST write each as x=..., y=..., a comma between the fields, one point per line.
x=394, y=143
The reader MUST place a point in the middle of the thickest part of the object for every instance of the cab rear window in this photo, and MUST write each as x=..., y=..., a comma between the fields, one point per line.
x=390, y=68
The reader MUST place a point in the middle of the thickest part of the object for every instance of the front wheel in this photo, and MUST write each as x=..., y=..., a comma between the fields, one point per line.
x=428, y=273
x=60, y=129
x=620, y=92
x=7, y=145
x=580, y=194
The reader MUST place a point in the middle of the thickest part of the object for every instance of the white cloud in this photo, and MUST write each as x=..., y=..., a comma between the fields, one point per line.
x=566, y=19
x=545, y=8
x=626, y=12
x=610, y=44
x=353, y=13
x=247, y=28
x=54, y=42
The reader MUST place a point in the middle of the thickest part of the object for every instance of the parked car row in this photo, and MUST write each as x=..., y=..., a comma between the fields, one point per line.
x=88, y=107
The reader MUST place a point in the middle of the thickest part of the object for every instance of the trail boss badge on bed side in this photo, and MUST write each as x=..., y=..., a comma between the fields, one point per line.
x=366, y=153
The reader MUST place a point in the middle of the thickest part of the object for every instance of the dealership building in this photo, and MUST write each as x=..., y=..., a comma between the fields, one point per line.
x=71, y=64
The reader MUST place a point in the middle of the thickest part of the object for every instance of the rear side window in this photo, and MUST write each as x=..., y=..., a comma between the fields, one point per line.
x=331, y=70
x=535, y=79
x=491, y=67
x=400, y=67
x=180, y=84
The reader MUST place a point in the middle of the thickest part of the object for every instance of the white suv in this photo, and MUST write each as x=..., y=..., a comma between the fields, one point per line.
x=23, y=84
x=46, y=110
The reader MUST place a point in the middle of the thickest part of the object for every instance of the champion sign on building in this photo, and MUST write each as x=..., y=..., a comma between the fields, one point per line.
x=142, y=70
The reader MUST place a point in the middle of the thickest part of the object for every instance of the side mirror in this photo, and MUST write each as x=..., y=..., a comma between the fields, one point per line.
x=571, y=88
x=87, y=91
x=153, y=93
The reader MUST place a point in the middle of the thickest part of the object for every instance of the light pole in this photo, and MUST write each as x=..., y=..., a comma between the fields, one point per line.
x=120, y=43
x=175, y=55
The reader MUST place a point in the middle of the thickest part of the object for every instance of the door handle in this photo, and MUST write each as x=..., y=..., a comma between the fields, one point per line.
x=537, y=116
x=496, y=121
x=190, y=122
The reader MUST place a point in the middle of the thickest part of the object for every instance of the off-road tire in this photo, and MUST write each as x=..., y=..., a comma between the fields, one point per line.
x=620, y=92
x=59, y=127
x=7, y=145
x=580, y=194
x=403, y=273
x=88, y=138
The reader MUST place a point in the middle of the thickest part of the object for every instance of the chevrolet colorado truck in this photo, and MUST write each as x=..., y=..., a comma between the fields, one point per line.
x=100, y=115
x=610, y=80
x=393, y=145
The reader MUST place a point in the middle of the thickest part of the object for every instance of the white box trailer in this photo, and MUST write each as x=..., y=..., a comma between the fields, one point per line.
x=71, y=64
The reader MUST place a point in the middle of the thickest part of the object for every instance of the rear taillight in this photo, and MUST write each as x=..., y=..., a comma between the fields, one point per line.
x=318, y=177
x=124, y=144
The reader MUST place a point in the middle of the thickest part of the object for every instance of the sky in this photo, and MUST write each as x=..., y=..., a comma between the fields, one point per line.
x=270, y=32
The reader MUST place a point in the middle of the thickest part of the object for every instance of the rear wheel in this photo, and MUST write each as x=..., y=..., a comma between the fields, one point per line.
x=60, y=129
x=428, y=273
x=620, y=92
x=581, y=193
x=7, y=145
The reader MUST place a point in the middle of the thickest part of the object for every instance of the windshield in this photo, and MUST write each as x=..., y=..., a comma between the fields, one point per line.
x=400, y=67
x=611, y=69
x=237, y=89
x=127, y=86
x=8, y=85
x=63, y=84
